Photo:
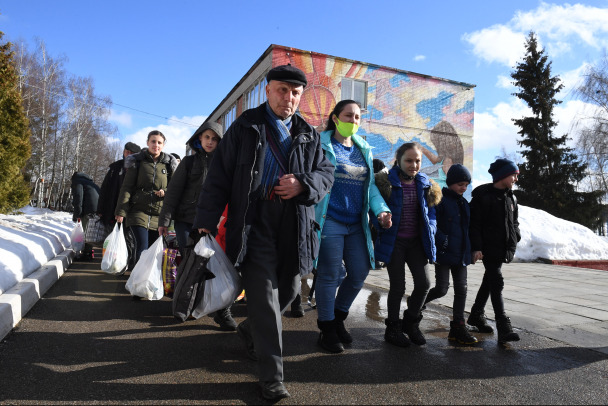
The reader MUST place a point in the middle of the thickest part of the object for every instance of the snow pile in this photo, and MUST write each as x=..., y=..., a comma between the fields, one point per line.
x=29, y=240
x=547, y=236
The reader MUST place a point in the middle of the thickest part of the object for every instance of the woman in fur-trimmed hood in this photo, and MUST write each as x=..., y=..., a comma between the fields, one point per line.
x=411, y=197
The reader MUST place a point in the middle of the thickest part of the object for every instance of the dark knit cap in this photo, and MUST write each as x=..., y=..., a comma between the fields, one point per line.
x=133, y=147
x=287, y=73
x=501, y=168
x=176, y=156
x=457, y=173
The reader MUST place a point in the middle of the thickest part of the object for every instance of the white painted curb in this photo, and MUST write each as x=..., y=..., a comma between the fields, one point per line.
x=18, y=300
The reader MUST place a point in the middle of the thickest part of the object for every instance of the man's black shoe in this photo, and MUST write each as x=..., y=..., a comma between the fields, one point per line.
x=274, y=391
x=243, y=331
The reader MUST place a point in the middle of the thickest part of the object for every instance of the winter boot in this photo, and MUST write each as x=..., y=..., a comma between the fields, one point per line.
x=505, y=331
x=343, y=334
x=224, y=318
x=477, y=318
x=411, y=327
x=460, y=334
x=394, y=333
x=328, y=339
x=296, y=307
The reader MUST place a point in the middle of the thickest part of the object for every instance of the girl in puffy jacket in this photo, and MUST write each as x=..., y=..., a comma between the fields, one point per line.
x=411, y=197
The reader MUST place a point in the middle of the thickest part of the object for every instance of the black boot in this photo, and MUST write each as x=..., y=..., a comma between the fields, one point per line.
x=505, y=330
x=328, y=339
x=477, y=318
x=296, y=307
x=394, y=333
x=343, y=334
x=459, y=333
x=411, y=327
x=224, y=318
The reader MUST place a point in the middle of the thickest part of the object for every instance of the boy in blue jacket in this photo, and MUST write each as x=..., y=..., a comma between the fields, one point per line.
x=453, y=249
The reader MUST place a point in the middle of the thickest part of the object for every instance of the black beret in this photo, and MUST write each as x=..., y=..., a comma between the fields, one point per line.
x=133, y=147
x=287, y=73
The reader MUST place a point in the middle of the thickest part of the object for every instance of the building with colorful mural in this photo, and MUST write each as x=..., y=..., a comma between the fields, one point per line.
x=397, y=106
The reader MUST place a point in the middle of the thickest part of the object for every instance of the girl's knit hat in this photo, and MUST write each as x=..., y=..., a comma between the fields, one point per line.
x=501, y=168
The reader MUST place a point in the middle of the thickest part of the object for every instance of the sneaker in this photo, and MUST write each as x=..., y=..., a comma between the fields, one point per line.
x=460, y=334
x=224, y=319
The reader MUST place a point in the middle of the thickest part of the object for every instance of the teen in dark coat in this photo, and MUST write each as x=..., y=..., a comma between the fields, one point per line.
x=110, y=187
x=453, y=249
x=494, y=235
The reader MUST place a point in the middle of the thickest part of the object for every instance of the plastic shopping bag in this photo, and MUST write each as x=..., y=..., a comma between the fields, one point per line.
x=96, y=230
x=146, y=279
x=169, y=270
x=115, y=253
x=221, y=291
x=78, y=238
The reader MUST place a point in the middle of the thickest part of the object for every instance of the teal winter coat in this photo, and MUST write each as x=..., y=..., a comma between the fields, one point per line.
x=372, y=199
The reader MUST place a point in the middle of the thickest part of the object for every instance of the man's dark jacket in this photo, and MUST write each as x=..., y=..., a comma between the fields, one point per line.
x=85, y=194
x=234, y=178
x=494, y=228
x=110, y=189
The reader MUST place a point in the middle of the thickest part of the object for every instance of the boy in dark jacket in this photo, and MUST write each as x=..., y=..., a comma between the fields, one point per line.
x=85, y=196
x=494, y=233
x=453, y=249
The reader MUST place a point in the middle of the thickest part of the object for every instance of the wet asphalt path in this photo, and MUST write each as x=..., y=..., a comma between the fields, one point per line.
x=87, y=341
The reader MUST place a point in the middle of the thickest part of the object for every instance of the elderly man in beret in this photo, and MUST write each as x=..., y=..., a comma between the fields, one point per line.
x=270, y=170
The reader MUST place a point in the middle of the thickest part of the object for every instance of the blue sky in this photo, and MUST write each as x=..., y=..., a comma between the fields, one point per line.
x=177, y=60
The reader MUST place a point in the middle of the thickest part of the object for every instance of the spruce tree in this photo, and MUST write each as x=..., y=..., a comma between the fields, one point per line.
x=14, y=135
x=551, y=170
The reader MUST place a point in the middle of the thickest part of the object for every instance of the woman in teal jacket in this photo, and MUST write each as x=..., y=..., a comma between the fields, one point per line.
x=344, y=230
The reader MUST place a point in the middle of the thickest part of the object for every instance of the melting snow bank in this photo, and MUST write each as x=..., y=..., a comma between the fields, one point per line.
x=549, y=237
x=30, y=240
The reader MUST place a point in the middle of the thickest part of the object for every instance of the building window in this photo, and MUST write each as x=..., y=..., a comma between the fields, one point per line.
x=229, y=117
x=257, y=94
x=355, y=90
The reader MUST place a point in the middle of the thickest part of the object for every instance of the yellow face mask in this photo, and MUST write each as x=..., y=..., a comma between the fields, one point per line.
x=346, y=129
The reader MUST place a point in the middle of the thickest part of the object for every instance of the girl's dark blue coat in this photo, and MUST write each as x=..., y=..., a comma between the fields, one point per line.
x=429, y=195
x=452, y=237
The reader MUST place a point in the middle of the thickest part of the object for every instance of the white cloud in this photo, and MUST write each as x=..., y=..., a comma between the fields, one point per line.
x=177, y=130
x=572, y=79
x=559, y=27
x=418, y=58
x=494, y=129
x=504, y=82
x=498, y=43
x=122, y=118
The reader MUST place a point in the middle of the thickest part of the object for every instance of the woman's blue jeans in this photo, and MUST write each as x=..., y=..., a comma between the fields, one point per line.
x=144, y=238
x=340, y=242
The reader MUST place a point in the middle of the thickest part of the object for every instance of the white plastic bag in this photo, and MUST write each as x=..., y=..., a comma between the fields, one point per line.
x=146, y=278
x=221, y=291
x=115, y=252
x=78, y=238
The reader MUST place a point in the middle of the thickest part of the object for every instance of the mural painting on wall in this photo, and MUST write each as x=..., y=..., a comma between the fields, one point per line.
x=401, y=108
